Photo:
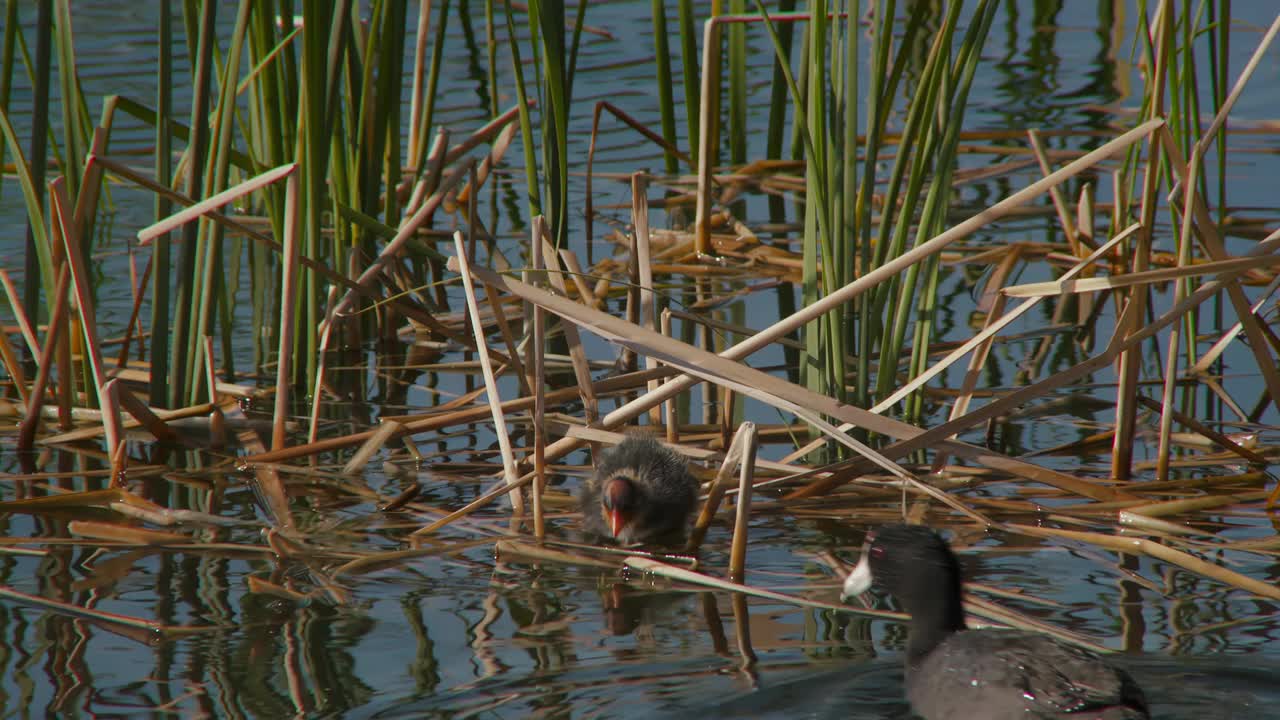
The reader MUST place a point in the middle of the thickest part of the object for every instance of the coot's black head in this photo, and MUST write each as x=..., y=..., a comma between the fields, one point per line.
x=916, y=566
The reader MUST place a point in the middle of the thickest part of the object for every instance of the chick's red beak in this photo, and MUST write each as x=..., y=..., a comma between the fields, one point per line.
x=617, y=520
x=616, y=503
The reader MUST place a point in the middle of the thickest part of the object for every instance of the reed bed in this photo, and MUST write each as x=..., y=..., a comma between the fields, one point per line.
x=860, y=451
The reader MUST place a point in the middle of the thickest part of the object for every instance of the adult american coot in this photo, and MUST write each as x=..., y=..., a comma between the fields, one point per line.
x=958, y=674
x=640, y=492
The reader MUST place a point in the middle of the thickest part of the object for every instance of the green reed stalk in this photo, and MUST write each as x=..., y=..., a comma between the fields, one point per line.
x=689, y=61
x=38, y=258
x=666, y=98
x=8, y=50
x=76, y=126
x=884, y=80
x=201, y=30
x=555, y=58
x=822, y=134
x=737, y=71
x=163, y=158
x=210, y=290
x=837, y=225
x=533, y=186
x=942, y=118
x=778, y=93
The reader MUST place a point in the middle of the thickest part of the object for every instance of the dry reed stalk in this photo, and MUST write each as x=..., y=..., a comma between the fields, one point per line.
x=1085, y=233
x=1059, y=203
x=577, y=353
x=742, y=634
x=708, y=124
x=270, y=489
x=386, y=429
x=288, y=298
x=392, y=251
x=996, y=321
x=1146, y=277
x=1205, y=483
x=81, y=285
x=139, y=376
x=1014, y=619
x=432, y=172
x=490, y=382
x=142, y=509
x=113, y=619
x=1117, y=344
x=135, y=471
x=574, y=269
x=715, y=492
x=742, y=511
x=1160, y=552
x=672, y=410
x=1177, y=507
x=680, y=574
x=1154, y=526
x=482, y=135
x=322, y=366
x=413, y=312
x=436, y=420
x=54, y=336
x=125, y=534
x=991, y=329
x=418, y=82
x=209, y=205
x=20, y=314
x=389, y=558
x=976, y=363
x=875, y=277
x=494, y=299
x=642, y=258
x=1135, y=300
x=1204, y=430
x=502, y=488
x=144, y=415
x=1203, y=365
x=496, y=152
x=537, y=380
x=135, y=323
x=10, y=363
x=1250, y=67
x=701, y=364
x=655, y=138
x=1214, y=247
x=86, y=433
x=514, y=550
x=257, y=585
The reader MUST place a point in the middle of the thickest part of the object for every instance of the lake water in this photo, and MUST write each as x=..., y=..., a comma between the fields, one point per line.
x=468, y=632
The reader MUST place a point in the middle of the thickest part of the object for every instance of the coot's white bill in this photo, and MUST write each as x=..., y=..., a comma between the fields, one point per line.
x=859, y=581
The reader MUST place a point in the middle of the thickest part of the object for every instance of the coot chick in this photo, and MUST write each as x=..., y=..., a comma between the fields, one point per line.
x=641, y=491
x=959, y=674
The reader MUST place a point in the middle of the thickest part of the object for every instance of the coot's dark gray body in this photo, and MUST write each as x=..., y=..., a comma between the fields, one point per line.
x=959, y=674
x=1013, y=674
x=640, y=492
